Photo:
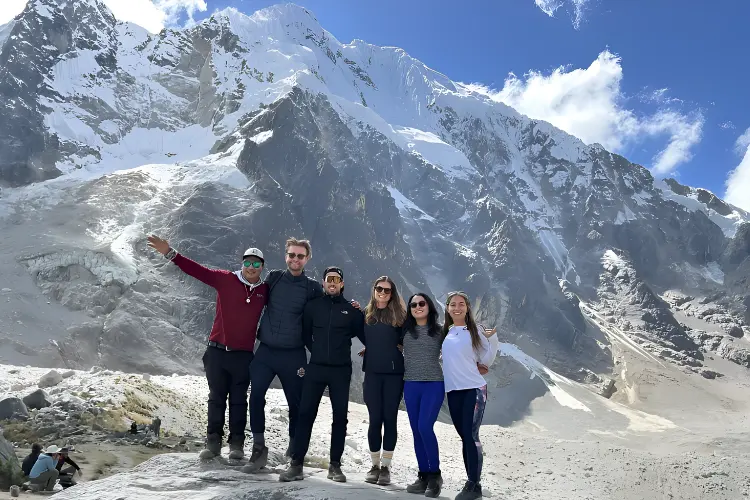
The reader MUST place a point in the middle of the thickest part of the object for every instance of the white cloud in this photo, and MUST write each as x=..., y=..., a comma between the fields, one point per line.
x=152, y=15
x=589, y=104
x=738, y=181
x=728, y=125
x=549, y=7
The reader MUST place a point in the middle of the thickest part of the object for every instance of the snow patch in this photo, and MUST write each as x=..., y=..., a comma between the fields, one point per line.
x=407, y=207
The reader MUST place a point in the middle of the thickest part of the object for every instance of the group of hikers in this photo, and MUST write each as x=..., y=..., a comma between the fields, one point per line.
x=45, y=467
x=407, y=353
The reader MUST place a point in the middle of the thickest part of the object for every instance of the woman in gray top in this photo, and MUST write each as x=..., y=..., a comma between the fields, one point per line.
x=424, y=389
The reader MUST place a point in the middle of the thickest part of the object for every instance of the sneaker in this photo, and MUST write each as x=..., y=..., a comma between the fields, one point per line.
x=471, y=491
x=419, y=486
x=372, y=476
x=434, y=485
x=293, y=473
x=335, y=474
x=384, y=479
x=213, y=447
x=258, y=459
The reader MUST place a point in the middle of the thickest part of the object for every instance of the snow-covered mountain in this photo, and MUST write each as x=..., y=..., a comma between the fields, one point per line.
x=248, y=129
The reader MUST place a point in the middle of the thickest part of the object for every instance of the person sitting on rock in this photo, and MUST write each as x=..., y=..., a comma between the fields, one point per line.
x=241, y=299
x=156, y=426
x=67, y=474
x=133, y=428
x=329, y=324
x=31, y=458
x=44, y=473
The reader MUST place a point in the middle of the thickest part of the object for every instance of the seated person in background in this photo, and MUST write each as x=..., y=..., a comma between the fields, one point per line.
x=67, y=474
x=30, y=460
x=43, y=475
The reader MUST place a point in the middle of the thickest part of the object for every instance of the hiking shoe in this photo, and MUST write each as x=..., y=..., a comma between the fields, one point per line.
x=384, y=479
x=236, y=451
x=434, y=485
x=335, y=474
x=213, y=447
x=471, y=491
x=373, y=475
x=293, y=473
x=419, y=486
x=258, y=459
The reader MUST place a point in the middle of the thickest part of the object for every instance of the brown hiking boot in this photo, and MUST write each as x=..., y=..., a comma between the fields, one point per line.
x=384, y=479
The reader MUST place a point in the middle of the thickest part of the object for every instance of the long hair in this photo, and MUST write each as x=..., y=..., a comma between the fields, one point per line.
x=393, y=314
x=471, y=325
x=410, y=323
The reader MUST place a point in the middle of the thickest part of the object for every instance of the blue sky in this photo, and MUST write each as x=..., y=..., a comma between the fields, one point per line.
x=665, y=83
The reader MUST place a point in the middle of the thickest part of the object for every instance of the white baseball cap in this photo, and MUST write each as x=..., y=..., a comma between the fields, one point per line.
x=253, y=252
x=52, y=449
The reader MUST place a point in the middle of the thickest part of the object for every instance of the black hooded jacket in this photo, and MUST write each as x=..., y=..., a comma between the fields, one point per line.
x=328, y=326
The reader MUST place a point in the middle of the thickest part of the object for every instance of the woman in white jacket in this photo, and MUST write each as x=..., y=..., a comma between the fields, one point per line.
x=466, y=346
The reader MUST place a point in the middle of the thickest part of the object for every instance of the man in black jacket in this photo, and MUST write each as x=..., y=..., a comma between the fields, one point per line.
x=329, y=324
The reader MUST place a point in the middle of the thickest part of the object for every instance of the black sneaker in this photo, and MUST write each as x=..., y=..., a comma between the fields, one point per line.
x=373, y=475
x=434, y=485
x=335, y=474
x=471, y=491
x=293, y=473
x=384, y=479
x=213, y=447
x=258, y=459
x=419, y=486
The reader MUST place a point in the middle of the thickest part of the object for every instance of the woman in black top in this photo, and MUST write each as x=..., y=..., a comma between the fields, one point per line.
x=384, y=374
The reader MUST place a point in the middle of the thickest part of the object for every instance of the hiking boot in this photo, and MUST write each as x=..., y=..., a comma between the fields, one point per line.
x=293, y=473
x=471, y=491
x=213, y=447
x=335, y=474
x=419, y=486
x=236, y=451
x=434, y=484
x=384, y=479
x=258, y=459
x=373, y=475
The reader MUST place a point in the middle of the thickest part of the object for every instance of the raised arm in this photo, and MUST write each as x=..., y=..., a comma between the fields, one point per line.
x=208, y=276
x=490, y=345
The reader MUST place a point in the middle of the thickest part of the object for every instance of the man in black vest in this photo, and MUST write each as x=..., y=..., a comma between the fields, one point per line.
x=328, y=324
x=282, y=349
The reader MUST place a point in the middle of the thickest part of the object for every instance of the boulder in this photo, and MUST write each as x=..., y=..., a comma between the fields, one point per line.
x=50, y=379
x=10, y=469
x=37, y=400
x=735, y=331
x=13, y=408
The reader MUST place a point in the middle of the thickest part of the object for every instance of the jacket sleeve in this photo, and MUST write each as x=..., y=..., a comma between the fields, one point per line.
x=70, y=461
x=307, y=326
x=317, y=289
x=208, y=276
x=358, y=328
x=489, y=349
x=401, y=332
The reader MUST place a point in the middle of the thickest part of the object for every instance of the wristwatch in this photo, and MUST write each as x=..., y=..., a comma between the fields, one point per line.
x=171, y=254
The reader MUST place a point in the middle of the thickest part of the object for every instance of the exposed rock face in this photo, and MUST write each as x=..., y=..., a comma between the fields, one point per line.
x=12, y=409
x=387, y=166
x=37, y=400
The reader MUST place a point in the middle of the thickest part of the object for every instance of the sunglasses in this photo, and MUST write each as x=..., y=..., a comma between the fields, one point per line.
x=333, y=279
x=256, y=264
x=421, y=303
x=300, y=256
x=380, y=289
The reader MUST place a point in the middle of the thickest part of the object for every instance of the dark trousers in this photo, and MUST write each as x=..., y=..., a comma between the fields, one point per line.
x=467, y=409
x=228, y=374
x=317, y=378
x=423, y=402
x=382, y=394
x=270, y=362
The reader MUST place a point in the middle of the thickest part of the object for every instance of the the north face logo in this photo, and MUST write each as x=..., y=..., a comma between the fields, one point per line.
x=344, y=312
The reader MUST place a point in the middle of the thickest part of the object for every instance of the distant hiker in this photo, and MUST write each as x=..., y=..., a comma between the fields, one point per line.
x=383, y=365
x=156, y=426
x=424, y=389
x=281, y=351
x=67, y=474
x=241, y=298
x=133, y=428
x=467, y=344
x=30, y=460
x=44, y=473
x=328, y=325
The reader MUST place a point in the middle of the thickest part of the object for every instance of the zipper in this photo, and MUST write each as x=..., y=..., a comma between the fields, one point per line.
x=330, y=314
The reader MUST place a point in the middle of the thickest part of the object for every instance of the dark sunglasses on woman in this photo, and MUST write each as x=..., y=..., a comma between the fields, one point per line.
x=421, y=303
x=380, y=289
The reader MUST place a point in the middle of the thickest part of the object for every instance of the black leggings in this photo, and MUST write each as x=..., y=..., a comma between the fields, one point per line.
x=467, y=410
x=382, y=394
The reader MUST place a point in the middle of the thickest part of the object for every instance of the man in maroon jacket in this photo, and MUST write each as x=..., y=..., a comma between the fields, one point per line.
x=241, y=297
